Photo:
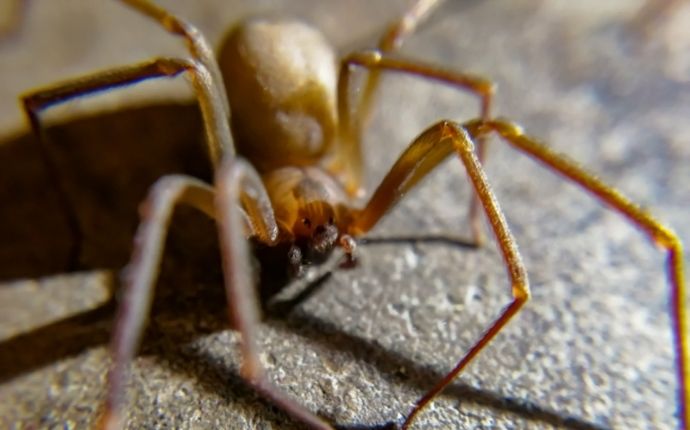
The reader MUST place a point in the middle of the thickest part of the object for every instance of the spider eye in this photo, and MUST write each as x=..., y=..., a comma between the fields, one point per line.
x=306, y=222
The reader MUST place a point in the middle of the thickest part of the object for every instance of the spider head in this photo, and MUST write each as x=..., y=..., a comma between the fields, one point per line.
x=313, y=213
x=316, y=229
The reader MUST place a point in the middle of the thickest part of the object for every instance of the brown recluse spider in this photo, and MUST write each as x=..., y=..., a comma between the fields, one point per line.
x=284, y=140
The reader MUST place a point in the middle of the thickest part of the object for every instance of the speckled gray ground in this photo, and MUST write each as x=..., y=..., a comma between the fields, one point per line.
x=592, y=350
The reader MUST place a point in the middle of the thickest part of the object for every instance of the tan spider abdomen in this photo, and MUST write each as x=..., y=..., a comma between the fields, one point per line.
x=281, y=81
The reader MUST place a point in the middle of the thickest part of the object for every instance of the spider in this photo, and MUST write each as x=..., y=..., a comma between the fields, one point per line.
x=288, y=173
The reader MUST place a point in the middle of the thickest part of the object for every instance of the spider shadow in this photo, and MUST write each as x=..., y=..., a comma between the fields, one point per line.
x=107, y=163
x=108, y=203
x=78, y=333
x=286, y=315
x=151, y=141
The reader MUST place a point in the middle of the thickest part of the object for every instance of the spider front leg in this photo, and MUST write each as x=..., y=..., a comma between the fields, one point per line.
x=218, y=137
x=421, y=157
x=139, y=278
x=348, y=162
x=391, y=41
x=660, y=234
x=378, y=61
x=237, y=178
x=514, y=136
x=242, y=208
x=196, y=42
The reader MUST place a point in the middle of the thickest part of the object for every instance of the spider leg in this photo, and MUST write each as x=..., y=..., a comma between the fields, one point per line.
x=219, y=139
x=392, y=40
x=197, y=44
x=377, y=61
x=234, y=176
x=256, y=217
x=349, y=152
x=140, y=276
x=660, y=234
x=421, y=157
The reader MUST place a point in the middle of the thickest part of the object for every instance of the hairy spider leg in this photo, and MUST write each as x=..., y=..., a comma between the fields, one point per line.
x=139, y=278
x=416, y=163
x=130, y=320
x=207, y=84
x=242, y=296
x=197, y=45
x=661, y=235
x=219, y=139
x=420, y=158
x=424, y=154
x=240, y=192
x=377, y=61
x=391, y=41
x=218, y=132
x=349, y=158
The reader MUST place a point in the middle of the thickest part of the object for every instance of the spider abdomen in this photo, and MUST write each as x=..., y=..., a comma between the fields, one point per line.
x=281, y=80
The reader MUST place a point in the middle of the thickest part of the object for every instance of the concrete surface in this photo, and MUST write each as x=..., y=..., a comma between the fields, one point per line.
x=591, y=351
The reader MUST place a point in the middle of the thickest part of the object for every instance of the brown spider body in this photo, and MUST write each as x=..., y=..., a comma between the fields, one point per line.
x=281, y=82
